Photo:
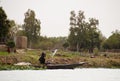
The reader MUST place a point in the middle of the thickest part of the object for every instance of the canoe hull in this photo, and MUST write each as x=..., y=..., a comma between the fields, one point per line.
x=63, y=66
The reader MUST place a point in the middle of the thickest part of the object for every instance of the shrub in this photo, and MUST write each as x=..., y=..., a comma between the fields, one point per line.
x=96, y=51
x=11, y=44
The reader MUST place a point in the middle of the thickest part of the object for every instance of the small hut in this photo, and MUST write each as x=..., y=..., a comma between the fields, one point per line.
x=21, y=42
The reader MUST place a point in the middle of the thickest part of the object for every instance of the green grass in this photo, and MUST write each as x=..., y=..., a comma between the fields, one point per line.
x=111, y=61
x=3, y=53
x=12, y=67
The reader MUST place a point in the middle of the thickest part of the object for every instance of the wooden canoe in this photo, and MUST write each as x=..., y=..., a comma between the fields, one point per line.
x=64, y=66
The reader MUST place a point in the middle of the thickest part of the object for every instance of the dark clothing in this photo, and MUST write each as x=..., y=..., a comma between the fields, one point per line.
x=8, y=50
x=42, y=58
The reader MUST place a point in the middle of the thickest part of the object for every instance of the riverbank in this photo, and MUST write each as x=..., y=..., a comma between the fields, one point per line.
x=102, y=60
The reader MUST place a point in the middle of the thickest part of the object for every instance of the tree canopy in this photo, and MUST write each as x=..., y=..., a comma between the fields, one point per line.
x=113, y=42
x=4, y=25
x=83, y=35
x=31, y=26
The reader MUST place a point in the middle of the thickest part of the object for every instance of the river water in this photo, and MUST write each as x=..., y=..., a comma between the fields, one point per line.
x=84, y=74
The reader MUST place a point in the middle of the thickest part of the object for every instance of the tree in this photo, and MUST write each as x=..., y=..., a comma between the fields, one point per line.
x=83, y=35
x=65, y=45
x=94, y=40
x=20, y=31
x=71, y=36
x=77, y=30
x=31, y=27
x=13, y=30
x=73, y=19
x=4, y=25
x=113, y=42
x=81, y=30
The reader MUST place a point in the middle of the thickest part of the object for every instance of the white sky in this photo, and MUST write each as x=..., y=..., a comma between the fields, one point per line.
x=55, y=14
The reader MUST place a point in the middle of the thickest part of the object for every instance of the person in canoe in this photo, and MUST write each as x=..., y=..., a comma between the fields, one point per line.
x=42, y=59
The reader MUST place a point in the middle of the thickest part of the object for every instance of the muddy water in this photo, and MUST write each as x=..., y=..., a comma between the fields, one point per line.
x=61, y=75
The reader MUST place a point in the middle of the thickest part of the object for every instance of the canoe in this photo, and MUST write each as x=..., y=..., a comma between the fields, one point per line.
x=64, y=66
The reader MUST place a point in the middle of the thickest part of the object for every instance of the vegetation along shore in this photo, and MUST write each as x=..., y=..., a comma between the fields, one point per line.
x=103, y=60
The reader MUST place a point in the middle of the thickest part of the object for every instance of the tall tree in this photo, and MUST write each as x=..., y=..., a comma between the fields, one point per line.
x=71, y=36
x=4, y=25
x=13, y=29
x=83, y=35
x=80, y=30
x=94, y=40
x=73, y=19
x=31, y=27
x=77, y=32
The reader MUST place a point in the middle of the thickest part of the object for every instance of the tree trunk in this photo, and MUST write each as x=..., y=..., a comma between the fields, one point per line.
x=77, y=47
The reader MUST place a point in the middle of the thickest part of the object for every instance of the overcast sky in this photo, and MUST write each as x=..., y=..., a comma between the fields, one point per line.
x=54, y=14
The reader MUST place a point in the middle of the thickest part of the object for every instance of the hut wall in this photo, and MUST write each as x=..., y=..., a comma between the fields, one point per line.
x=21, y=42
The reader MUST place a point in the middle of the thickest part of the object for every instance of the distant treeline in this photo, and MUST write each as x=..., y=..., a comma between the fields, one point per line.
x=84, y=35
